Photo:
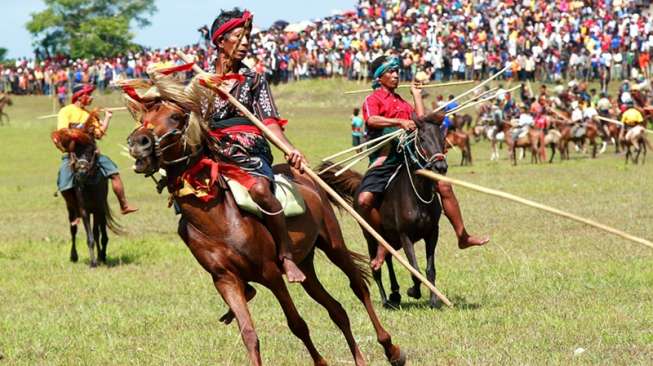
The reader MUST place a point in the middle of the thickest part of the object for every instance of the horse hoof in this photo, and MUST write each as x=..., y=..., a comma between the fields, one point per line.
x=414, y=292
x=74, y=258
x=400, y=361
x=93, y=265
x=395, y=298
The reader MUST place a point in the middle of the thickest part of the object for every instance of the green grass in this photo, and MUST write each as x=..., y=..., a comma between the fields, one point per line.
x=543, y=288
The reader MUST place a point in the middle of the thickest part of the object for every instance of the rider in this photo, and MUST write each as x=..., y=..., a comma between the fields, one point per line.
x=239, y=140
x=75, y=115
x=384, y=110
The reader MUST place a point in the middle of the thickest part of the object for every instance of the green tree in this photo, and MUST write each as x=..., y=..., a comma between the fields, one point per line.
x=88, y=28
x=3, y=53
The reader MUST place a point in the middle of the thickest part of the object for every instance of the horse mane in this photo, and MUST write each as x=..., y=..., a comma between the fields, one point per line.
x=66, y=139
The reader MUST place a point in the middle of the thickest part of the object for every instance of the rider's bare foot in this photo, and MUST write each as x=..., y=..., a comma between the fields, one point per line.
x=467, y=241
x=128, y=209
x=292, y=271
x=75, y=222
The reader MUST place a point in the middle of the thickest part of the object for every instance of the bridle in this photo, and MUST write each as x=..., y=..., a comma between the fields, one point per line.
x=413, y=151
x=160, y=146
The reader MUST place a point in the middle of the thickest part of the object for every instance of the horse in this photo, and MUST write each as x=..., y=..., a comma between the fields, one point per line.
x=552, y=140
x=532, y=140
x=409, y=209
x=461, y=140
x=495, y=135
x=4, y=101
x=636, y=138
x=234, y=246
x=88, y=198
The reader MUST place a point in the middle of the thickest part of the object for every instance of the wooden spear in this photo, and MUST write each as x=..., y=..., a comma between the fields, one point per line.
x=472, y=89
x=383, y=137
x=113, y=109
x=431, y=175
x=316, y=178
x=419, y=86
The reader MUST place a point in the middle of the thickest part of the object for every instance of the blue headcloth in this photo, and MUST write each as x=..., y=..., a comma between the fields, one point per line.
x=390, y=64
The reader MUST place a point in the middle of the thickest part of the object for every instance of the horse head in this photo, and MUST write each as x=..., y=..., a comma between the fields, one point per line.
x=167, y=135
x=429, y=143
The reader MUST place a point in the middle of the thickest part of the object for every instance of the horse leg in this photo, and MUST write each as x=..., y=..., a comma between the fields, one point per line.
x=430, y=244
x=409, y=249
x=105, y=239
x=553, y=152
x=233, y=294
x=229, y=316
x=89, y=238
x=96, y=236
x=337, y=313
x=72, y=215
x=395, y=295
x=296, y=324
x=338, y=254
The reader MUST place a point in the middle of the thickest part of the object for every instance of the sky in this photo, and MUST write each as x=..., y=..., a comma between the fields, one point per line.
x=176, y=21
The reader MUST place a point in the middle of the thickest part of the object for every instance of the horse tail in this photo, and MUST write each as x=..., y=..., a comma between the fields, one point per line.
x=112, y=224
x=362, y=265
x=346, y=184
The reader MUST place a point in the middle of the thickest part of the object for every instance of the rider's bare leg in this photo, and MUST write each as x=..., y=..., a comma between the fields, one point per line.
x=119, y=190
x=372, y=215
x=452, y=211
x=262, y=195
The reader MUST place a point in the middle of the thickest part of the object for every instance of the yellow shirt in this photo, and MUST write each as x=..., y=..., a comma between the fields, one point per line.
x=71, y=115
x=632, y=117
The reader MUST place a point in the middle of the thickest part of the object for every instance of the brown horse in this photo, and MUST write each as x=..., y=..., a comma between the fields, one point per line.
x=567, y=136
x=88, y=198
x=4, y=101
x=532, y=140
x=236, y=248
x=409, y=209
x=460, y=140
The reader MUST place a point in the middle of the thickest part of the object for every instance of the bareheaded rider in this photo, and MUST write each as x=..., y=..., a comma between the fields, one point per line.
x=383, y=110
x=240, y=141
x=75, y=115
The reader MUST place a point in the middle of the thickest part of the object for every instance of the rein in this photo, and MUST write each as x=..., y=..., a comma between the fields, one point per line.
x=411, y=149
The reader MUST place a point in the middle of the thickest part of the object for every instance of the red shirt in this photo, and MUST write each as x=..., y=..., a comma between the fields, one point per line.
x=385, y=104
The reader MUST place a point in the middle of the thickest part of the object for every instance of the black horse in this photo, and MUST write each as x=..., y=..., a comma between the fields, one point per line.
x=410, y=209
x=88, y=198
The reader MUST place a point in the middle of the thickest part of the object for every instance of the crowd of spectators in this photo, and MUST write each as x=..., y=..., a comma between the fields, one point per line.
x=543, y=40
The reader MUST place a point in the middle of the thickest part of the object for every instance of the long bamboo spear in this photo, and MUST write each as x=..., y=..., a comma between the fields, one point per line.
x=316, y=178
x=467, y=105
x=419, y=86
x=112, y=109
x=431, y=175
x=383, y=137
x=618, y=123
x=472, y=89
x=361, y=155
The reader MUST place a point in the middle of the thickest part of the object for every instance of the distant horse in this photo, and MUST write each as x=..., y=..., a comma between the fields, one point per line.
x=5, y=100
x=460, y=140
x=635, y=139
x=409, y=208
x=234, y=246
x=531, y=140
x=88, y=198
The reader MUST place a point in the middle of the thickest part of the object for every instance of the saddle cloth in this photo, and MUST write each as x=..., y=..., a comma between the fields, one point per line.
x=285, y=190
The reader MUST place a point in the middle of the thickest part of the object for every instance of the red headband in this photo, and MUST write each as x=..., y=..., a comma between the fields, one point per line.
x=87, y=89
x=231, y=24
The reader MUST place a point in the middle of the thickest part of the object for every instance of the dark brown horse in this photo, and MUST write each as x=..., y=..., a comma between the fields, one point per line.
x=409, y=209
x=236, y=248
x=5, y=100
x=88, y=199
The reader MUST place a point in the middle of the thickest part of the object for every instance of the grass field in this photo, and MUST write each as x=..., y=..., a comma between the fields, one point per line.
x=541, y=291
